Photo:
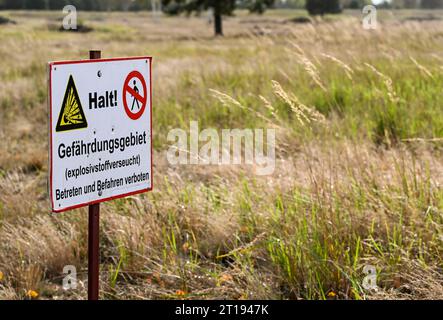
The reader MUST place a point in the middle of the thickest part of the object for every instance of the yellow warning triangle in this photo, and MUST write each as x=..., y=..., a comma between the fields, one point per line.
x=71, y=114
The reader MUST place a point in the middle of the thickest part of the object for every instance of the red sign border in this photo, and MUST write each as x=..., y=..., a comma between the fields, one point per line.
x=50, y=68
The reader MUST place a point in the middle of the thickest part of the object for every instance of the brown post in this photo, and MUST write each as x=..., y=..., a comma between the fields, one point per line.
x=93, y=235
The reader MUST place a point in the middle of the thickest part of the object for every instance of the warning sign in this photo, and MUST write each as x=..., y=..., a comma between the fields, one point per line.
x=71, y=113
x=111, y=156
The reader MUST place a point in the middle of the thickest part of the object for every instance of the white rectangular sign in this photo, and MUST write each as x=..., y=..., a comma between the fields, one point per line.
x=100, y=130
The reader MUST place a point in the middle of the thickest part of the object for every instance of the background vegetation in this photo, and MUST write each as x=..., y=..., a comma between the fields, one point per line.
x=137, y=5
x=359, y=171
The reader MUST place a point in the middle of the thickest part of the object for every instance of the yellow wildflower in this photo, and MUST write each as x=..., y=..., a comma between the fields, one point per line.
x=32, y=294
x=225, y=278
x=180, y=293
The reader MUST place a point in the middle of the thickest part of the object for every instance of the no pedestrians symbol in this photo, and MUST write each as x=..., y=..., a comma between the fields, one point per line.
x=134, y=95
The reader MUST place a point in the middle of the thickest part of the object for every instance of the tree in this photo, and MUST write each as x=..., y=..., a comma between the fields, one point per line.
x=320, y=7
x=36, y=4
x=57, y=4
x=258, y=6
x=431, y=4
x=219, y=8
x=14, y=4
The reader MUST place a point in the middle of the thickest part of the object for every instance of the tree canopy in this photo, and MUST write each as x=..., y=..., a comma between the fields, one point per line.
x=219, y=8
x=87, y=5
x=321, y=7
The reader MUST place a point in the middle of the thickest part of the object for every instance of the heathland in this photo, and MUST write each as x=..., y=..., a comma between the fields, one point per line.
x=358, y=178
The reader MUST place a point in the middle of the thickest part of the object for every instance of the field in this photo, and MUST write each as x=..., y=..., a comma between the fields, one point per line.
x=358, y=179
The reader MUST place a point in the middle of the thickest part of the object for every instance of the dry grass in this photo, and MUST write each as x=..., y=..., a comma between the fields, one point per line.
x=358, y=178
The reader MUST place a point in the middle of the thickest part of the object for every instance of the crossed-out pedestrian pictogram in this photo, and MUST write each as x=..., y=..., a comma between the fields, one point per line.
x=134, y=102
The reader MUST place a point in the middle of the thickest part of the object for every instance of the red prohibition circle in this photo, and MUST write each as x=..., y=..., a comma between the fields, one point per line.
x=127, y=89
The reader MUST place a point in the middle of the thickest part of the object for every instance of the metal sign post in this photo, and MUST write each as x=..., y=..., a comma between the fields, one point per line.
x=93, y=251
x=93, y=235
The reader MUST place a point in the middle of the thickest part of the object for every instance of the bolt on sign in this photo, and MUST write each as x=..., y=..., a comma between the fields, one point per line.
x=100, y=130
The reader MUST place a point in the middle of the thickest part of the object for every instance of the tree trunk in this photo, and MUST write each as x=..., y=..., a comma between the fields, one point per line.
x=218, y=23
